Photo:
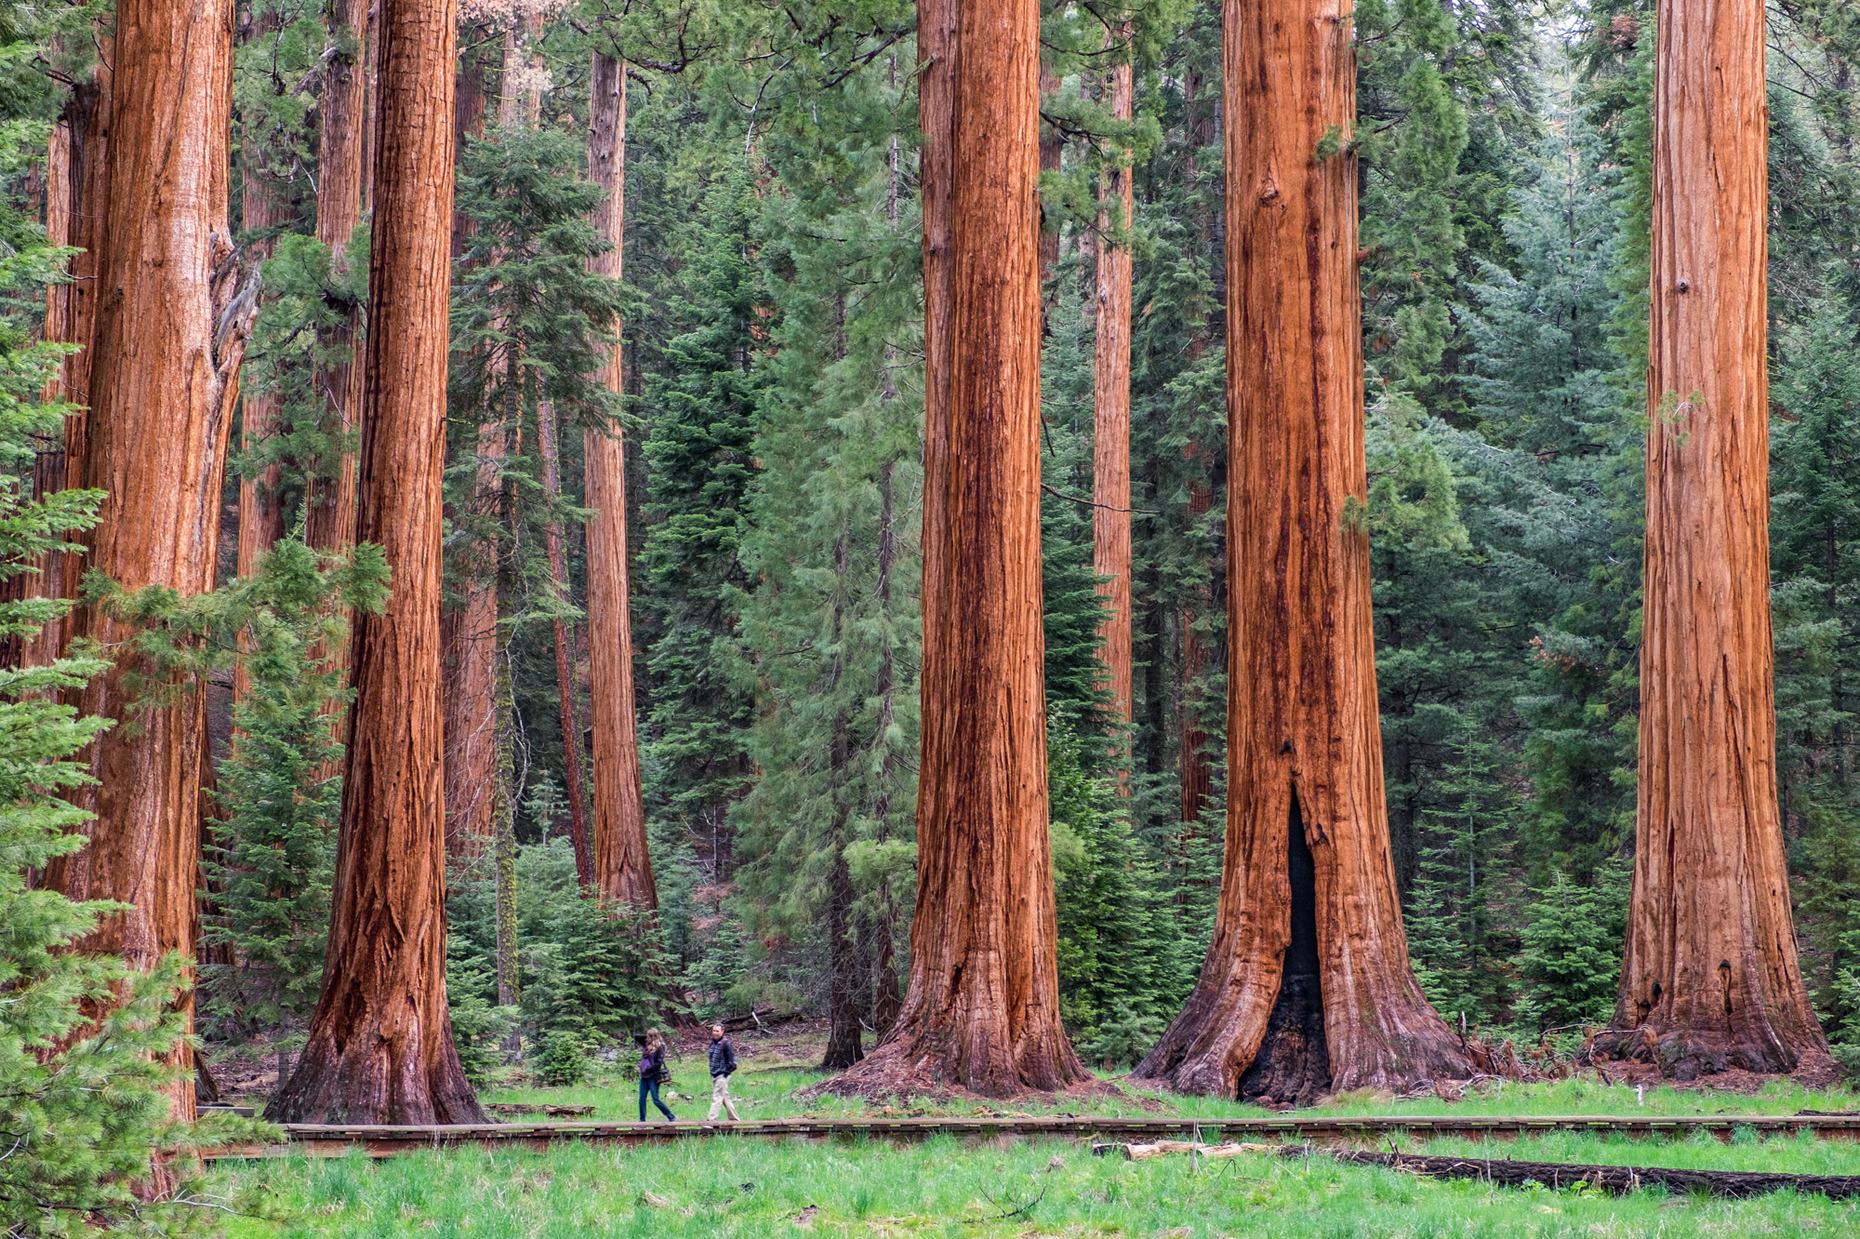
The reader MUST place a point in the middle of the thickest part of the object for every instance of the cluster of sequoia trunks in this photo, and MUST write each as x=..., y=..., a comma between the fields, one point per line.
x=1307, y=986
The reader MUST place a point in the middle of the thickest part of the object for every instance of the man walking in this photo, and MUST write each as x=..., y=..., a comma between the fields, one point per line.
x=722, y=1064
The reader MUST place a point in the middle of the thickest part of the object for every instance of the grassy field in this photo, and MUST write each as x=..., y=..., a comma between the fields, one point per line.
x=720, y=1186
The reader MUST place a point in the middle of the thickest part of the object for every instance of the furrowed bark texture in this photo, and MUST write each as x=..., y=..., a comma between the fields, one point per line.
x=329, y=501
x=1710, y=979
x=1110, y=517
x=380, y=1044
x=566, y=710
x=78, y=200
x=169, y=335
x=1306, y=985
x=622, y=866
x=981, y=1011
x=342, y=177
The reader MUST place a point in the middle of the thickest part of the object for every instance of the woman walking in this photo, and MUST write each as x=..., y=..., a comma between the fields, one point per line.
x=651, y=1073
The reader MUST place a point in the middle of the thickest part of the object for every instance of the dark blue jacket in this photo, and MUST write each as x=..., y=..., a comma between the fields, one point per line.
x=722, y=1057
x=652, y=1064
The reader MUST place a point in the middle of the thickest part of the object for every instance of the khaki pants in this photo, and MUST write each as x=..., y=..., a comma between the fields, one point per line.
x=720, y=1099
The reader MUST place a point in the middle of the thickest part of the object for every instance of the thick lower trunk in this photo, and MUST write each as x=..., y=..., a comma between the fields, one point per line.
x=1305, y=751
x=622, y=865
x=1710, y=980
x=380, y=1044
x=982, y=1008
x=566, y=712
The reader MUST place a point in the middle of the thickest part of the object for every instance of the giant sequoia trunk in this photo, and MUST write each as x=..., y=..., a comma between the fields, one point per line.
x=1110, y=516
x=168, y=338
x=1306, y=986
x=622, y=867
x=564, y=672
x=380, y=1044
x=1710, y=978
x=982, y=1008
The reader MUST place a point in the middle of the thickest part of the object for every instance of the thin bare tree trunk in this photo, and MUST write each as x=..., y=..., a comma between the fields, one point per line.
x=622, y=865
x=168, y=339
x=1052, y=151
x=380, y=1044
x=1710, y=980
x=564, y=676
x=982, y=1008
x=1306, y=986
x=1110, y=515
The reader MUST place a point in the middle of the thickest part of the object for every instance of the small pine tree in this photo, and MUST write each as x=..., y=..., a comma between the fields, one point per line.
x=1571, y=953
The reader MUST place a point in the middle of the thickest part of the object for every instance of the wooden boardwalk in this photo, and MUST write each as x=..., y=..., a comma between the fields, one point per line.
x=320, y=1140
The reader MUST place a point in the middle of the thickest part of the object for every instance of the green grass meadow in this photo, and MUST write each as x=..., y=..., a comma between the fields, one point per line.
x=723, y=1186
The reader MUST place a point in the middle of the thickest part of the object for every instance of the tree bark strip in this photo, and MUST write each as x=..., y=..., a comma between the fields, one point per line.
x=1306, y=985
x=564, y=675
x=981, y=1011
x=1110, y=515
x=380, y=1044
x=1710, y=979
x=169, y=335
x=622, y=864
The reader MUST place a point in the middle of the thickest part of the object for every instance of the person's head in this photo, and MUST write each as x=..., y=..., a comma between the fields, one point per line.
x=654, y=1039
x=716, y=1032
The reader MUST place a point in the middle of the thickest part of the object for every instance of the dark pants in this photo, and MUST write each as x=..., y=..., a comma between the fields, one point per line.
x=650, y=1088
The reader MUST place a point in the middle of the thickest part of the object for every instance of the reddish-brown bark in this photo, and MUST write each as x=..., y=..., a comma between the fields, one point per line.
x=1110, y=515
x=77, y=214
x=168, y=338
x=622, y=865
x=380, y=1044
x=329, y=496
x=1306, y=986
x=469, y=628
x=981, y=1010
x=262, y=209
x=1710, y=979
x=564, y=675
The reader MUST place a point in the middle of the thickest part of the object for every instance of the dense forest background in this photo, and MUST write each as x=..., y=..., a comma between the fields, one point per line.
x=772, y=413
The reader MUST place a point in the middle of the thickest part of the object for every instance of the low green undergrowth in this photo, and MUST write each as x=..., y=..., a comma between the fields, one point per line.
x=725, y=1187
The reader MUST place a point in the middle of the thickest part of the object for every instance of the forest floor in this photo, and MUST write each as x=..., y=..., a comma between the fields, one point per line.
x=943, y=1186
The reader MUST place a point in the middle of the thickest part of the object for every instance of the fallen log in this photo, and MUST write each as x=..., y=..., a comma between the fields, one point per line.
x=537, y=1107
x=1503, y=1172
x=1616, y=1180
x=1162, y=1148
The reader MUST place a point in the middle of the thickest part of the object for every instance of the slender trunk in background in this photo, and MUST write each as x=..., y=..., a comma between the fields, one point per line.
x=169, y=335
x=1195, y=770
x=1710, y=980
x=1110, y=514
x=1052, y=151
x=342, y=176
x=843, y=964
x=470, y=627
x=77, y=201
x=329, y=500
x=262, y=209
x=982, y=1008
x=504, y=839
x=380, y=1044
x=622, y=865
x=1306, y=986
x=564, y=659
